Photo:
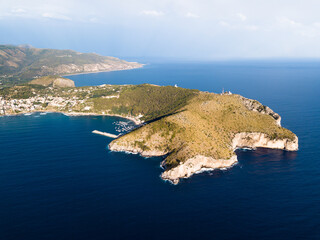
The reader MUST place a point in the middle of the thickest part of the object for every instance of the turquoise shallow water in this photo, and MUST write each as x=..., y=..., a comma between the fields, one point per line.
x=59, y=181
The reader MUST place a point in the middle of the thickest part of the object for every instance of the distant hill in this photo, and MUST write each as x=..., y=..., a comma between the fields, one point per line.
x=19, y=64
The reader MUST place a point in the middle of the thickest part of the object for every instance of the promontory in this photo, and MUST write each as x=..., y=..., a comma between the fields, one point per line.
x=193, y=130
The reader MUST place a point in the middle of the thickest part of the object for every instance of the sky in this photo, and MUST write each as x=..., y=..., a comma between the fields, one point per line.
x=180, y=29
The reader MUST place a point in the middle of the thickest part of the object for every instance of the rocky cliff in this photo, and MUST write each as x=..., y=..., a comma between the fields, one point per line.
x=200, y=163
x=254, y=105
x=255, y=140
x=196, y=165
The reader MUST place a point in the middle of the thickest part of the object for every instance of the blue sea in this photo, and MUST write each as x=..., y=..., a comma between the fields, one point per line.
x=60, y=181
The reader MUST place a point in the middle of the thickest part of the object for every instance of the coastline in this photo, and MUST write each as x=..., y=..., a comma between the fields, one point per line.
x=200, y=163
x=136, y=121
x=190, y=167
x=116, y=70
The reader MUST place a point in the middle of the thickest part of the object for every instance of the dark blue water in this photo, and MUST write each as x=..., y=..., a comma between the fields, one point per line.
x=59, y=181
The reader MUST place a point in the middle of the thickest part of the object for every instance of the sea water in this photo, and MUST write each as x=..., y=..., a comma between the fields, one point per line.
x=60, y=181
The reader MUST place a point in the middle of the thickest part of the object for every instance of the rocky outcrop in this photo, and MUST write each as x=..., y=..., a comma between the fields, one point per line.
x=254, y=105
x=254, y=140
x=196, y=165
x=63, y=82
x=114, y=146
x=53, y=81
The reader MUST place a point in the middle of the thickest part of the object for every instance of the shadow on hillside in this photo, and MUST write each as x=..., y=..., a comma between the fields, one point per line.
x=155, y=119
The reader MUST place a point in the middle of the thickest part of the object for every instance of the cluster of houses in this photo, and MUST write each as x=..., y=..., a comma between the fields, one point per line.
x=36, y=103
x=65, y=100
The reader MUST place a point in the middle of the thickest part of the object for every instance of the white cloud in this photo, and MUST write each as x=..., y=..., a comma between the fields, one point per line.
x=284, y=21
x=192, y=15
x=152, y=13
x=18, y=10
x=242, y=16
x=305, y=30
x=251, y=27
x=224, y=24
x=239, y=26
x=93, y=20
x=56, y=16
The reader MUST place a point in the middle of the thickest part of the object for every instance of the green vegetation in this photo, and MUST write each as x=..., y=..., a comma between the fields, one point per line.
x=149, y=100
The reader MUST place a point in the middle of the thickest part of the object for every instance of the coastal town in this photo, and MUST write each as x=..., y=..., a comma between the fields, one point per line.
x=54, y=99
x=37, y=103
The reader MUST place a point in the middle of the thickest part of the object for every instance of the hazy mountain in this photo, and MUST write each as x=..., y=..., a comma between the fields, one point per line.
x=24, y=63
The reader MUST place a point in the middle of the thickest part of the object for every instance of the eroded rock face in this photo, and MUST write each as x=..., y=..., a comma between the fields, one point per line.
x=195, y=165
x=254, y=140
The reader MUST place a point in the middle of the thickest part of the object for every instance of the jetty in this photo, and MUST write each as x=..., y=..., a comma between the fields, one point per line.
x=105, y=134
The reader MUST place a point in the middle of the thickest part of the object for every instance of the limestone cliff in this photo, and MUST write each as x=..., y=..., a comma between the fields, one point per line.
x=254, y=140
x=196, y=165
x=200, y=163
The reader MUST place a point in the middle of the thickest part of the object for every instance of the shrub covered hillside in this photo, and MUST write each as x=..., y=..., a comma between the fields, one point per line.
x=205, y=126
x=149, y=100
